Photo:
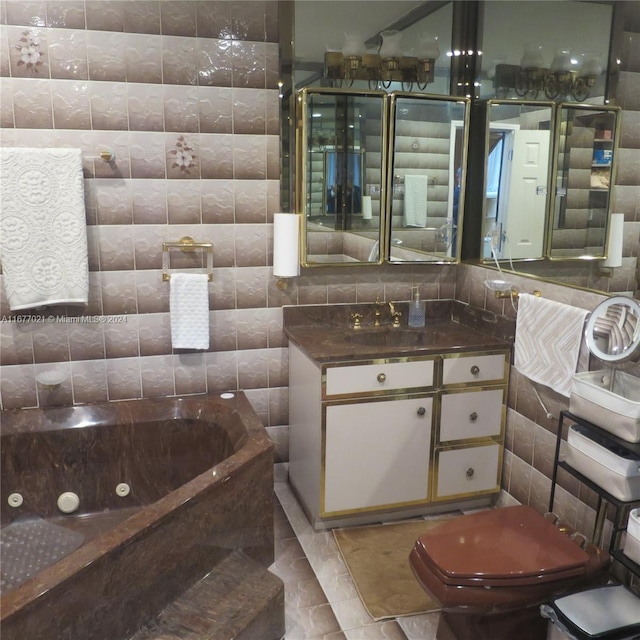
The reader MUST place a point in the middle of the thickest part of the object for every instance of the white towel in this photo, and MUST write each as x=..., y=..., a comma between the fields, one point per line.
x=415, y=201
x=189, y=310
x=548, y=338
x=43, y=235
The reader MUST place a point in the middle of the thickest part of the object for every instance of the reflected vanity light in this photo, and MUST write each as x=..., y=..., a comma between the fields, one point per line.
x=561, y=79
x=389, y=65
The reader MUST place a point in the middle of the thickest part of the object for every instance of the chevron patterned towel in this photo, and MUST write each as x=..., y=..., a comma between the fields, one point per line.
x=548, y=338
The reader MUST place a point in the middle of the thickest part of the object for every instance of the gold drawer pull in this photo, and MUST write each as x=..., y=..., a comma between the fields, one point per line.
x=470, y=472
x=421, y=411
x=381, y=377
x=475, y=370
x=473, y=416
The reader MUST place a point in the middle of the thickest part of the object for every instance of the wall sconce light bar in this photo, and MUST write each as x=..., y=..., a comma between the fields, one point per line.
x=529, y=83
x=407, y=70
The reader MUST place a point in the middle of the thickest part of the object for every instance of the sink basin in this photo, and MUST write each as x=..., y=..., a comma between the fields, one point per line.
x=390, y=338
x=610, y=400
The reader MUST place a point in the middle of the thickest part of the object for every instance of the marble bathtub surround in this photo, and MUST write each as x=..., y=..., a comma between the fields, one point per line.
x=200, y=472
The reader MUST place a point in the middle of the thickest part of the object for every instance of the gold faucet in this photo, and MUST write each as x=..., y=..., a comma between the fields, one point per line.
x=395, y=315
x=377, y=314
x=356, y=317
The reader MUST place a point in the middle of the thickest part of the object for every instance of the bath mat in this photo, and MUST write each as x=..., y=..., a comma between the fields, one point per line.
x=377, y=557
x=30, y=547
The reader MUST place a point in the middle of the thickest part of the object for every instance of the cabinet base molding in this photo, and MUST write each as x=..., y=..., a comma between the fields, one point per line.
x=390, y=515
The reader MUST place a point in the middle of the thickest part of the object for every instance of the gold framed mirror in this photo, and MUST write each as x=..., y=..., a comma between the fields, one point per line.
x=426, y=176
x=584, y=165
x=341, y=141
x=548, y=173
x=517, y=179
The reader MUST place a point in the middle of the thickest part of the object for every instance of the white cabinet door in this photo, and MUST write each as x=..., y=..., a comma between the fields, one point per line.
x=376, y=454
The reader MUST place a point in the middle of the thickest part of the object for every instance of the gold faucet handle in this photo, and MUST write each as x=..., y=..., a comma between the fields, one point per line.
x=356, y=317
x=395, y=315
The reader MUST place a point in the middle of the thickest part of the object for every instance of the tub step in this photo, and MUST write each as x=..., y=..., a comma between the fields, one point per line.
x=248, y=602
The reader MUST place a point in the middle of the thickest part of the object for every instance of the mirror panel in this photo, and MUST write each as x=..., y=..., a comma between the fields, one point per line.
x=527, y=61
x=428, y=139
x=326, y=34
x=585, y=143
x=341, y=149
x=517, y=179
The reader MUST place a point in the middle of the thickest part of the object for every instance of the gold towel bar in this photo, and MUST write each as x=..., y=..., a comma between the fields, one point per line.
x=514, y=293
x=186, y=244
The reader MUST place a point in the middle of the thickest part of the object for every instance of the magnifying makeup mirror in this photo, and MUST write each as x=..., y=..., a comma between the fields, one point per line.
x=613, y=330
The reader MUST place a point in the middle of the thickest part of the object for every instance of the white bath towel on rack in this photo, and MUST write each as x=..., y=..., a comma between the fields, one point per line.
x=43, y=237
x=189, y=310
x=415, y=200
x=548, y=339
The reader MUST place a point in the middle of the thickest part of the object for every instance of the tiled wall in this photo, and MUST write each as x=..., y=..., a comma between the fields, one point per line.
x=185, y=94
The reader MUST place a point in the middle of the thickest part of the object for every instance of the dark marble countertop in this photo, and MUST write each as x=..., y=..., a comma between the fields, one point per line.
x=325, y=332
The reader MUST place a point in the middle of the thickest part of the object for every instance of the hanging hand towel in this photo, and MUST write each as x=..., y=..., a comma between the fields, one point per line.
x=548, y=338
x=189, y=309
x=43, y=237
x=415, y=201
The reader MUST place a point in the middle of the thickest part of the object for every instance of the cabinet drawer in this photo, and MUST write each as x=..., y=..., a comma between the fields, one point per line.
x=468, y=470
x=472, y=414
x=474, y=368
x=374, y=378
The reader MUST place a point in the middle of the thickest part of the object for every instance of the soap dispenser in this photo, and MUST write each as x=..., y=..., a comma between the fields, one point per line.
x=416, y=310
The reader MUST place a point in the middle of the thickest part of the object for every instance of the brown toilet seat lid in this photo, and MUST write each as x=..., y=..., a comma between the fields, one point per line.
x=505, y=546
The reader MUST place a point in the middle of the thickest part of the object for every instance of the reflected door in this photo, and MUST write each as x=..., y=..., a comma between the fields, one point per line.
x=527, y=201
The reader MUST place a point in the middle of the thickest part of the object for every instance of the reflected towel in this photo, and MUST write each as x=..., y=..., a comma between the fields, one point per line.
x=189, y=310
x=548, y=339
x=415, y=201
x=43, y=236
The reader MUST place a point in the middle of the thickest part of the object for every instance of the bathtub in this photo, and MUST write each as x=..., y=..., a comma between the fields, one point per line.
x=167, y=489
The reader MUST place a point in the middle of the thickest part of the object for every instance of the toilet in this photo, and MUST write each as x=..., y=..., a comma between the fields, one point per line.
x=490, y=570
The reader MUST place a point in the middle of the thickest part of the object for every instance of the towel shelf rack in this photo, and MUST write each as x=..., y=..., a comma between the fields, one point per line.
x=186, y=244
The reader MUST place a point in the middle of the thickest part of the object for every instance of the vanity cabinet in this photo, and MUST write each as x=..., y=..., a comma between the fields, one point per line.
x=395, y=437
